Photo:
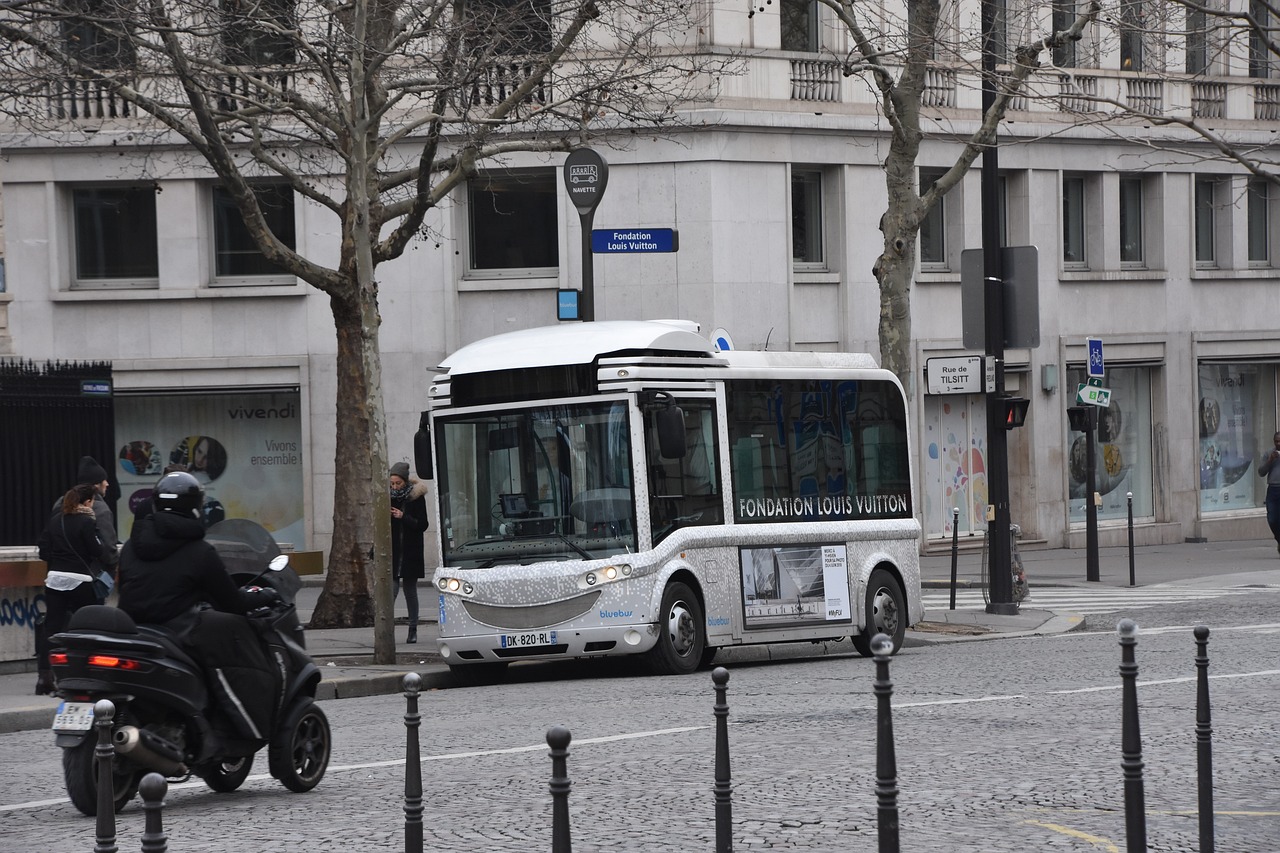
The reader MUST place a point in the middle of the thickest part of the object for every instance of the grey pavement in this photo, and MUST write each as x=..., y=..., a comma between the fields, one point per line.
x=345, y=655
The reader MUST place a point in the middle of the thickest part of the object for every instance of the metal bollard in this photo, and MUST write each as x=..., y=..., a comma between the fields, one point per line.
x=1135, y=805
x=1204, y=742
x=412, y=766
x=558, y=738
x=104, y=712
x=955, y=551
x=153, y=789
x=723, y=790
x=886, y=760
x=1129, y=497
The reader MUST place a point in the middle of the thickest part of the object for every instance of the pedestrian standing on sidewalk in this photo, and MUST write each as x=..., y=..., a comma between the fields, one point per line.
x=75, y=554
x=408, y=523
x=1270, y=469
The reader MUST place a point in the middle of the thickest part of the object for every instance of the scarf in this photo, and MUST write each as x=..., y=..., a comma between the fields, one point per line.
x=402, y=494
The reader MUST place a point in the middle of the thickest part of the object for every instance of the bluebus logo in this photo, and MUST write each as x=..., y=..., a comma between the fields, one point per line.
x=614, y=614
x=717, y=621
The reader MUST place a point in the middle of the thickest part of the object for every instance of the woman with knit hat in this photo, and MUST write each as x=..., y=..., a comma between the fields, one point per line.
x=408, y=523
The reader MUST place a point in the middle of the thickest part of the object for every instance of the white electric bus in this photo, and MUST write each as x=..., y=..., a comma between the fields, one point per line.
x=624, y=488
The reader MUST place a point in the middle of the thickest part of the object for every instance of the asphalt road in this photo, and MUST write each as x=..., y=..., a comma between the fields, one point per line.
x=1005, y=745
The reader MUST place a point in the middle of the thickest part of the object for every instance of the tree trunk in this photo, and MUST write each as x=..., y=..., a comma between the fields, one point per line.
x=347, y=600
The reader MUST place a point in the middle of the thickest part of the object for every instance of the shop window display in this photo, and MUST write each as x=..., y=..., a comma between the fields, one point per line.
x=1123, y=450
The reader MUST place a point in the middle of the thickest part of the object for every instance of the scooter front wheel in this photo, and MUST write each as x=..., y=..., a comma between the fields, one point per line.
x=299, y=750
x=227, y=774
x=80, y=770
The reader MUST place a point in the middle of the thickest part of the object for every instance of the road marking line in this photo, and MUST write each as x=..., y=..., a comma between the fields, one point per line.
x=1096, y=841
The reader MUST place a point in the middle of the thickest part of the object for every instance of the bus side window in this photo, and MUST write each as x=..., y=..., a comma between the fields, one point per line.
x=685, y=491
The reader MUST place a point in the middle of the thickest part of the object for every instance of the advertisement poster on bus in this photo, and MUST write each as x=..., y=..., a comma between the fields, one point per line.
x=788, y=586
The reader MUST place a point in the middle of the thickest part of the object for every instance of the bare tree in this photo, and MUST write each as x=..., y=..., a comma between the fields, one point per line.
x=374, y=110
x=895, y=55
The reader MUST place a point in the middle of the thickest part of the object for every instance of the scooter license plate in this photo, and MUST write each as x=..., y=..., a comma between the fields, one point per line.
x=73, y=717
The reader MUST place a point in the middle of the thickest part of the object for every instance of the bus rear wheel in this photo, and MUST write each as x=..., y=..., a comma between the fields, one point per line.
x=682, y=633
x=886, y=612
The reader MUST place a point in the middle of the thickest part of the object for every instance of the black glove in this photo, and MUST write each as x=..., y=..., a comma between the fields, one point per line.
x=260, y=596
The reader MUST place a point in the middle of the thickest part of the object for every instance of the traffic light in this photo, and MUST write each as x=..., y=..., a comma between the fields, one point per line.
x=1078, y=418
x=1015, y=411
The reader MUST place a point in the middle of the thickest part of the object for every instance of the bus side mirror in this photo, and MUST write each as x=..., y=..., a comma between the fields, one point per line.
x=422, y=447
x=670, y=420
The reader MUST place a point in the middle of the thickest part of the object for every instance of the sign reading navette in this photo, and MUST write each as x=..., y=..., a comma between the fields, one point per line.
x=606, y=240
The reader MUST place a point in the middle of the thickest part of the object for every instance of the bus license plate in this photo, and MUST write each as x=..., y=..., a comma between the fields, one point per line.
x=73, y=717
x=533, y=638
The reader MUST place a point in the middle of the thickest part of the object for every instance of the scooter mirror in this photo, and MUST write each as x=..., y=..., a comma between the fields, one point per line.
x=278, y=562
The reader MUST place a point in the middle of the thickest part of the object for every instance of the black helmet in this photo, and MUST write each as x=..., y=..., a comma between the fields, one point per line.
x=179, y=492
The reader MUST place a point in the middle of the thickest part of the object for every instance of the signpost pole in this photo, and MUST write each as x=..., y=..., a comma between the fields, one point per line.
x=588, y=307
x=1001, y=577
x=585, y=176
x=1090, y=504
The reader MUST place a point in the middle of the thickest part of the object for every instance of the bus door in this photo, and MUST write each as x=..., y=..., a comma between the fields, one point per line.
x=685, y=491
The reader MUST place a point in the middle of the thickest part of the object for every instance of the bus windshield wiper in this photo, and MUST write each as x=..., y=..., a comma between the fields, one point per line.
x=556, y=534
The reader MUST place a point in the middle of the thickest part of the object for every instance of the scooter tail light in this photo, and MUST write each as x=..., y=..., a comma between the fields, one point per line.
x=58, y=658
x=112, y=662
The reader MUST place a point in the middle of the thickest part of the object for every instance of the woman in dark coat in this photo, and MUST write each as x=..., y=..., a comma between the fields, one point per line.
x=408, y=523
x=74, y=553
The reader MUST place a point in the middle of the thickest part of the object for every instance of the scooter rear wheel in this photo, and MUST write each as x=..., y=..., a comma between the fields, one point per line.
x=299, y=750
x=80, y=771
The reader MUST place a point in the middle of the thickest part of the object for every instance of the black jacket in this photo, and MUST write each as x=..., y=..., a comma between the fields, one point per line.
x=166, y=569
x=407, y=559
x=70, y=543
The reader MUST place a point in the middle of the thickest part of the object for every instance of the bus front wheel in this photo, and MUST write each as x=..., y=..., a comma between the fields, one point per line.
x=682, y=634
x=886, y=612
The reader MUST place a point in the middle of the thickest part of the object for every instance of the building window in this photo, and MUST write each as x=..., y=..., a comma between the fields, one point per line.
x=1236, y=418
x=1132, y=25
x=513, y=222
x=1122, y=460
x=96, y=35
x=1131, y=247
x=1261, y=32
x=1064, y=15
x=236, y=254
x=256, y=32
x=1259, y=215
x=806, y=217
x=1073, y=222
x=498, y=28
x=800, y=25
x=115, y=233
x=1206, y=222
x=1197, y=41
x=933, y=230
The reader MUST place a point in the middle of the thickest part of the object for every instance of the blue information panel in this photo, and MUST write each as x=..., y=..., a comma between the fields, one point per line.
x=567, y=305
x=1096, y=365
x=606, y=241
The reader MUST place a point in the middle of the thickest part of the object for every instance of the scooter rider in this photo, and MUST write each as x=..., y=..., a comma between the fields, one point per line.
x=167, y=569
x=170, y=576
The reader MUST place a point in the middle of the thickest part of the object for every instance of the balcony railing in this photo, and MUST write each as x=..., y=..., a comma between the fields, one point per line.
x=1077, y=93
x=939, y=88
x=1209, y=100
x=258, y=87
x=499, y=80
x=815, y=80
x=1145, y=96
x=75, y=98
x=1266, y=102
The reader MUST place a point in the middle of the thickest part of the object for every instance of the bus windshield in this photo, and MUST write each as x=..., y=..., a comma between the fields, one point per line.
x=529, y=485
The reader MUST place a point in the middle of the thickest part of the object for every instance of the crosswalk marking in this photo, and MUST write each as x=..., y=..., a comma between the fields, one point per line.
x=1086, y=601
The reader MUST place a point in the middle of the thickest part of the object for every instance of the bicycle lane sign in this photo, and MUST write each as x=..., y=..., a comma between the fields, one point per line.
x=1096, y=366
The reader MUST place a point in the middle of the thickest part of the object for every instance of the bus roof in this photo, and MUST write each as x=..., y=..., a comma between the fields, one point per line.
x=576, y=343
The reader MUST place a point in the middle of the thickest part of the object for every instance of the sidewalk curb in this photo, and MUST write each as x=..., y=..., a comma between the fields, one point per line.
x=1057, y=623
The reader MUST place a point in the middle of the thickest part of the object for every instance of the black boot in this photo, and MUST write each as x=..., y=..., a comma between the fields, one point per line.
x=44, y=683
x=413, y=634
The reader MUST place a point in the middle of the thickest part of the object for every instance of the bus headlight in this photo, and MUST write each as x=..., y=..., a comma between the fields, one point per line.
x=456, y=585
x=605, y=575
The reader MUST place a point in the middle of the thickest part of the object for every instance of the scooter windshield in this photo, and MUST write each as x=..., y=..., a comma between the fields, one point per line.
x=246, y=548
